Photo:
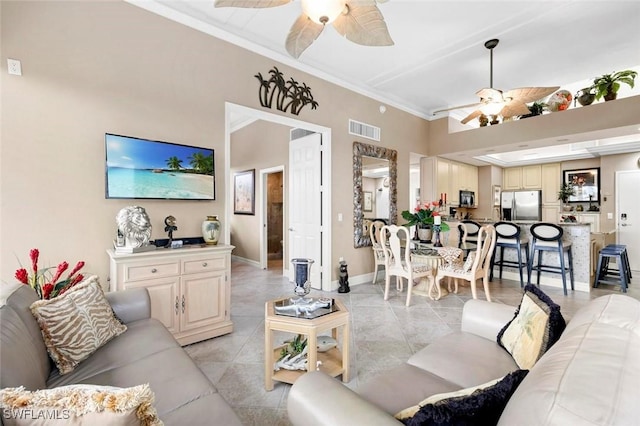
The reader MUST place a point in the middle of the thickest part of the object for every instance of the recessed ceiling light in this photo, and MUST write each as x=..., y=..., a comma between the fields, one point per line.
x=490, y=150
x=562, y=140
x=523, y=146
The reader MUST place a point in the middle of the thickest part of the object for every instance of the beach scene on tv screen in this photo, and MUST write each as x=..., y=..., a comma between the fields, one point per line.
x=139, y=168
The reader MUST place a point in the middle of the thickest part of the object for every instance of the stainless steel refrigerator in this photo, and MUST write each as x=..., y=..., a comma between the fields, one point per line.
x=522, y=205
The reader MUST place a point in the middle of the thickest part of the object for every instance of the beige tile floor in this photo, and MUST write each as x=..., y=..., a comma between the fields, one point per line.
x=384, y=334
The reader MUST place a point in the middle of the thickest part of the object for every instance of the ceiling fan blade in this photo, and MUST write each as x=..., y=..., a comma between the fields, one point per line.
x=303, y=32
x=529, y=94
x=363, y=24
x=457, y=107
x=471, y=116
x=513, y=108
x=250, y=3
x=489, y=94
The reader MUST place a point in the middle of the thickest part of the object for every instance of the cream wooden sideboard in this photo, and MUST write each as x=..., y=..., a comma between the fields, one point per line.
x=189, y=288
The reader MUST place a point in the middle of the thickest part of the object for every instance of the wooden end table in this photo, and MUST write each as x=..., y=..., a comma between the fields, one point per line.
x=334, y=361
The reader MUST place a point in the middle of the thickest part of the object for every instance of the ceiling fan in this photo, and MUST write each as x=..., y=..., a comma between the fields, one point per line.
x=360, y=21
x=494, y=102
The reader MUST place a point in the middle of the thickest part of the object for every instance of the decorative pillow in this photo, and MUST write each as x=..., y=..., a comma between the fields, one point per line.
x=76, y=324
x=469, y=262
x=536, y=326
x=478, y=405
x=79, y=405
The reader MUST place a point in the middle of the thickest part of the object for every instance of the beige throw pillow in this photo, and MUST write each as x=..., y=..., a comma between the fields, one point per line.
x=76, y=324
x=536, y=326
x=79, y=405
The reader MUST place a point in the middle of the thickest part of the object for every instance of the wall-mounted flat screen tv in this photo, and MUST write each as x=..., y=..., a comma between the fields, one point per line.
x=146, y=169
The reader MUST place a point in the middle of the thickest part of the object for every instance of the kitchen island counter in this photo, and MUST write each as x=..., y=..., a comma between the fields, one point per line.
x=578, y=234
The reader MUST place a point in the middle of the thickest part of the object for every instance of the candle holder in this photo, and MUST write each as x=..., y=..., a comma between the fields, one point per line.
x=436, y=238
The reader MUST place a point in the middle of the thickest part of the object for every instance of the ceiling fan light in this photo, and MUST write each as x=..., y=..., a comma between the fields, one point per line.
x=492, y=108
x=323, y=11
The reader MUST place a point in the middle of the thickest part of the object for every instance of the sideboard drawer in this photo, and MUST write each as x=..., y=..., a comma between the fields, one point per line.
x=155, y=270
x=204, y=264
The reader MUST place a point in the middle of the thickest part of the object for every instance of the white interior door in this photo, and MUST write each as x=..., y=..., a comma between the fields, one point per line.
x=627, y=214
x=305, y=204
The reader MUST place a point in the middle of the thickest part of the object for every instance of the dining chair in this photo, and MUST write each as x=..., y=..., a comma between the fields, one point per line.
x=397, y=250
x=476, y=266
x=468, y=233
x=376, y=245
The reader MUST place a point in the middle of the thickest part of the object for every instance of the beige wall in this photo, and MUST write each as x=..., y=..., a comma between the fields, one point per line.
x=260, y=145
x=96, y=67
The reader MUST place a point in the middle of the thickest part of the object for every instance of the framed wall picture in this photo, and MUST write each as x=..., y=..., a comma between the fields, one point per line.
x=367, y=206
x=586, y=185
x=244, y=192
x=497, y=191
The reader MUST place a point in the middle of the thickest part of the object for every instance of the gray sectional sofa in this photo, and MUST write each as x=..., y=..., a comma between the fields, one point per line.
x=145, y=353
x=589, y=377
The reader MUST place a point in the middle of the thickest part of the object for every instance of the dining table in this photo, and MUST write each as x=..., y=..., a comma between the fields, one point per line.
x=436, y=257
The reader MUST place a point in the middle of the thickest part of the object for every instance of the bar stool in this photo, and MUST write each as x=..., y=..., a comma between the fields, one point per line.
x=508, y=236
x=625, y=258
x=548, y=237
x=622, y=274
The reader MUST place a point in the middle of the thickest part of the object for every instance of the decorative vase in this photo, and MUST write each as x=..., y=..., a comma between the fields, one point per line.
x=211, y=230
x=424, y=233
x=302, y=277
x=584, y=97
x=610, y=96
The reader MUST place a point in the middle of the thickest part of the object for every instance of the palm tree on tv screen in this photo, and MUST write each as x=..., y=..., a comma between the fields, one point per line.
x=174, y=163
x=201, y=163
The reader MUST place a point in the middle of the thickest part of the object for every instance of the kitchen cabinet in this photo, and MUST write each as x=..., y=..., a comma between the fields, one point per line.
x=551, y=214
x=551, y=180
x=189, y=288
x=526, y=177
x=441, y=176
x=592, y=219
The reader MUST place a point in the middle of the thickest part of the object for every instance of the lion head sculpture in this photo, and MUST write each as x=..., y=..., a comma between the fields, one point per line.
x=135, y=225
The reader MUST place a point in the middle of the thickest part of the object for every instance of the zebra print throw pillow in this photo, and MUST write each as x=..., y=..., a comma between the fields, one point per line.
x=76, y=324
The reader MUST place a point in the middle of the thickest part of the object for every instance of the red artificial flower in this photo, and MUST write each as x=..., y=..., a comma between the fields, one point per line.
x=22, y=276
x=435, y=213
x=44, y=286
x=78, y=266
x=46, y=290
x=61, y=268
x=34, y=254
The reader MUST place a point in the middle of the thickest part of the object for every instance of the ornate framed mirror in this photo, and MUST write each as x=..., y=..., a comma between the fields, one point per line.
x=371, y=161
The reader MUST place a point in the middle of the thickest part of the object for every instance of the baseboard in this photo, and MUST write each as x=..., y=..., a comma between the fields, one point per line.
x=544, y=280
x=245, y=260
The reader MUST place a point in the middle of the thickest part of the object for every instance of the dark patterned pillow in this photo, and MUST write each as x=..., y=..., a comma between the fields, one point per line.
x=536, y=326
x=480, y=405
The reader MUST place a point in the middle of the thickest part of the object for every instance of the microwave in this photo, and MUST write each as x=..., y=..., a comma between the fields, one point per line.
x=467, y=199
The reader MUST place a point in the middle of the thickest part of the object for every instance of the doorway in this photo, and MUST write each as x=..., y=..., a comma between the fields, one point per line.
x=237, y=113
x=627, y=214
x=272, y=241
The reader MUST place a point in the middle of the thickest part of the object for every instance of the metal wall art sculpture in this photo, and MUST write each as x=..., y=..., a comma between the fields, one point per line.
x=287, y=94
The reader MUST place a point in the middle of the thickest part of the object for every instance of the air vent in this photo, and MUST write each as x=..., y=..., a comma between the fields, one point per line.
x=364, y=130
x=300, y=133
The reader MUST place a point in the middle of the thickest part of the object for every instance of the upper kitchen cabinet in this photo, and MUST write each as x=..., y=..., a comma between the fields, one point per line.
x=526, y=177
x=441, y=176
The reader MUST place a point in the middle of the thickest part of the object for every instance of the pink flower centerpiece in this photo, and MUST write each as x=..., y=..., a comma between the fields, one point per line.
x=47, y=284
